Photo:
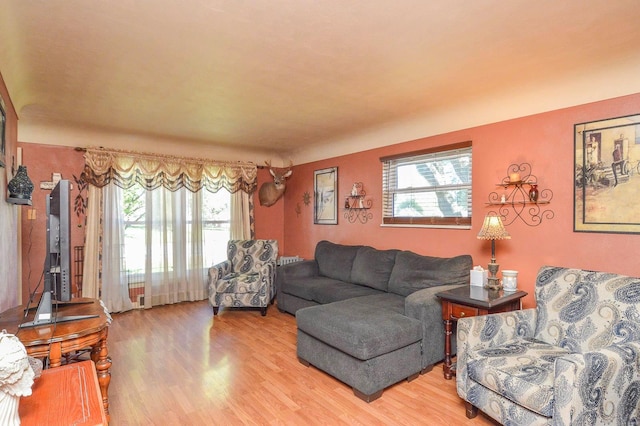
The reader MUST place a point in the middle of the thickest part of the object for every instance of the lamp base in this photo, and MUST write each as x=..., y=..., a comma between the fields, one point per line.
x=493, y=282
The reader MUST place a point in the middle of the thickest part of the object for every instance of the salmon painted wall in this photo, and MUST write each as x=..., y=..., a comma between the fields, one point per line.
x=42, y=161
x=9, y=213
x=546, y=141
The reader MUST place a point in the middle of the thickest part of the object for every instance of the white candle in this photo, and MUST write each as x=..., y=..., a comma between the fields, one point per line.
x=514, y=177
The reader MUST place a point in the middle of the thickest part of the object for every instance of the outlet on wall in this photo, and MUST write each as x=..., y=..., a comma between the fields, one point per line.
x=31, y=214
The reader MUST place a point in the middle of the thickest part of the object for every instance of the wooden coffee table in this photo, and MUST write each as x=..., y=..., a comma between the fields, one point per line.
x=471, y=301
x=55, y=340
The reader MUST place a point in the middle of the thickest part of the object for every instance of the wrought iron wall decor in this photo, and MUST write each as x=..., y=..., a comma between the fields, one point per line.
x=521, y=198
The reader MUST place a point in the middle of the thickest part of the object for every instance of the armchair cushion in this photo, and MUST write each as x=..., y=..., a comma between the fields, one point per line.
x=522, y=370
x=240, y=283
x=586, y=310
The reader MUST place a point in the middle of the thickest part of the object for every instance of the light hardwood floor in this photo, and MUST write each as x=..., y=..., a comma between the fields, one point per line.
x=177, y=365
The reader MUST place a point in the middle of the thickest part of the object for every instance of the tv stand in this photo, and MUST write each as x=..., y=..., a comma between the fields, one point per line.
x=55, y=340
x=46, y=315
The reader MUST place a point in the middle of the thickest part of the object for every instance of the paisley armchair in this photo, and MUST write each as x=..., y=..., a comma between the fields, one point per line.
x=574, y=359
x=246, y=278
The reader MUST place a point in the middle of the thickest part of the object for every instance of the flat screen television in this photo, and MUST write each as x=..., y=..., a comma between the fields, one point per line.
x=57, y=263
x=57, y=267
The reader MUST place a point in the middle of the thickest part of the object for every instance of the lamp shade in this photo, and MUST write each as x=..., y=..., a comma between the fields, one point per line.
x=493, y=229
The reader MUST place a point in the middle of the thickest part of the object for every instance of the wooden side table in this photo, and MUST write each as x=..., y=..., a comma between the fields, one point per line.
x=68, y=395
x=471, y=301
x=55, y=340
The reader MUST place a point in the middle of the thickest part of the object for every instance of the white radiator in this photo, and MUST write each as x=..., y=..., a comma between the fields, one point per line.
x=285, y=260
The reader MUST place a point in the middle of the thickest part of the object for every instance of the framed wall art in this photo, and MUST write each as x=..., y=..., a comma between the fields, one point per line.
x=325, y=184
x=607, y=175
x=3, y=131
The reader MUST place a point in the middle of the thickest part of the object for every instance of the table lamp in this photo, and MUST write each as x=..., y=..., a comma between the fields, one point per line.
x=493, y=229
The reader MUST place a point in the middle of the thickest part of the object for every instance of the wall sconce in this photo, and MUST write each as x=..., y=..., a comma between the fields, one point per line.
x=493, y=229
x=20, y=187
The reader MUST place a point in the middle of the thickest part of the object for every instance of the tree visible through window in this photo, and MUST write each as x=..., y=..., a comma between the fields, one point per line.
x=215, y=223
x=431, y=187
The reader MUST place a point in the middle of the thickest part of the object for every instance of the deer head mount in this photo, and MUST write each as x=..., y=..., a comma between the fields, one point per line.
x=270, y=192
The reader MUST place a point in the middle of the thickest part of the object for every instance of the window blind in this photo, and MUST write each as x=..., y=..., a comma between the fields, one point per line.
x=428, y=188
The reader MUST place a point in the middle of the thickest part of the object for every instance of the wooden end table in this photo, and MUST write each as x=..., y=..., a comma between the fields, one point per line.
x=56, y=340
x=69, y=395
x=471, y=301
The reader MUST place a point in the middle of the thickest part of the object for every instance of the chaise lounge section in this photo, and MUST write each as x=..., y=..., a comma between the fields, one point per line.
x=369, y=317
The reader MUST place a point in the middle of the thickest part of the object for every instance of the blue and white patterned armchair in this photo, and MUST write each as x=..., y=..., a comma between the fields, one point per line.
x=247, y=277
x=574, y=359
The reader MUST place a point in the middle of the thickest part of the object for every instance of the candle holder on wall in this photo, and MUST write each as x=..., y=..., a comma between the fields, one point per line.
x=521, y=198
x=356, y=205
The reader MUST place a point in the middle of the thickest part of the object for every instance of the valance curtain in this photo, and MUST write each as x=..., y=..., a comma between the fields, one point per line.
x=175, y=269
x=126, y=168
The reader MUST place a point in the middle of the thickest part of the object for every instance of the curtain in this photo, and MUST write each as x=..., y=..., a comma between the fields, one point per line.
x=126, y=168
x=92, y=244
x=241, y=211
x=115, y=287
x=174, y=269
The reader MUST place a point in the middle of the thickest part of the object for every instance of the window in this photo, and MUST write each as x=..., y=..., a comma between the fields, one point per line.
x=214, y=219
x=431, y=187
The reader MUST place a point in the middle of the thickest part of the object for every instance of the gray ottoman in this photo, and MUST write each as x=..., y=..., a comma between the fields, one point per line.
x=365, y=346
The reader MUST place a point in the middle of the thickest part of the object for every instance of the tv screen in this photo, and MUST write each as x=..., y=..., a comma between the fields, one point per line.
x=58, y=261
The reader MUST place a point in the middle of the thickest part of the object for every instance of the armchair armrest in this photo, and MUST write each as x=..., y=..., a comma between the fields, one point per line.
x=486, y=331
x=603, y=382
x=218, y=271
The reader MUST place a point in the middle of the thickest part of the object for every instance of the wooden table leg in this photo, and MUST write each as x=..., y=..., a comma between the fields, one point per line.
x=447, y=349
x=100, y=356
x=55, y=355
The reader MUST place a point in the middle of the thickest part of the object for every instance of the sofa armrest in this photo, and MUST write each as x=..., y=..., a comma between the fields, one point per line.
x=302, y=269
x=419, y=304
x=604, y=381
x=425, y=306
x=486, y=331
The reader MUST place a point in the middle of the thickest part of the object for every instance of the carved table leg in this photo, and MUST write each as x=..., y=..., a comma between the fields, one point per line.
x=447, y=350
x=55, y=355
x=100, y=356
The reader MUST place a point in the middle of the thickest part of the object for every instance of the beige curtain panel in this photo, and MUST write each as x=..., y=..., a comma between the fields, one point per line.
x=152, y=171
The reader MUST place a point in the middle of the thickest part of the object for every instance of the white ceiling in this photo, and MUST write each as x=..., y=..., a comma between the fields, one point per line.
x=288, y=75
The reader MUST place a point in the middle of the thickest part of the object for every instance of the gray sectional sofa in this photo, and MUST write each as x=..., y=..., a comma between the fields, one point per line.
x=369, y=317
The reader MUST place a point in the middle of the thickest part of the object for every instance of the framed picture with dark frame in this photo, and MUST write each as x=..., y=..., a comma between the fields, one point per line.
x=607, y=175
x=325, y=185
x=3, y=131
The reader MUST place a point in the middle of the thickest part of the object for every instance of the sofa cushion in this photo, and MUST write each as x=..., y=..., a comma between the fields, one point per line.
x=412, y=272
x=522, y=370
x=338, y=290
x=335, y=260
x=325, y=290
x=372, y=267
x=361, y=330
